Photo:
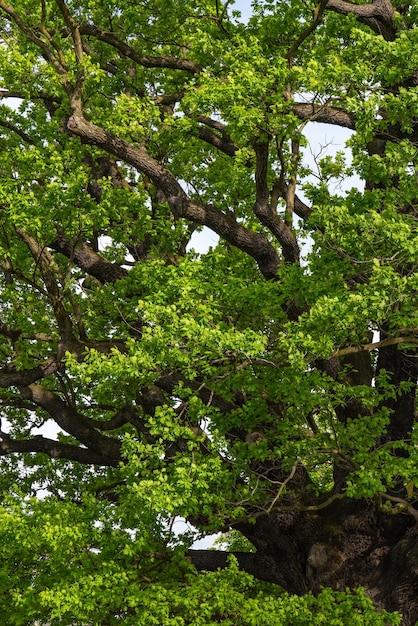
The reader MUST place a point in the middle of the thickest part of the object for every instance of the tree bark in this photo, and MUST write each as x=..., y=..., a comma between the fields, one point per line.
x=347, y=544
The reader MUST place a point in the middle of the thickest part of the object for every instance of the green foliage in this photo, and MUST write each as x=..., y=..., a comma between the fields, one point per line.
x=200, y=389
x=96, y=563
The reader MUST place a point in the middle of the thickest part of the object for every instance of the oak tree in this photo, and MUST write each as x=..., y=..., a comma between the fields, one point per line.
x=266, y=386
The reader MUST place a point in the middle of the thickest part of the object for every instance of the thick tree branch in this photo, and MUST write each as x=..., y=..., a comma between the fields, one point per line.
x=122, y=417
x=263, y=211
x=323, y=114
x=72, y=422
x=11, y=333
x=54, y=449
x=163, y=61
x=88, y=260
x=225, y=145
x=9, y=377
x=254, y=244
x=368, y=347
x=306, y=112
x=379, y=15
x=221, y=139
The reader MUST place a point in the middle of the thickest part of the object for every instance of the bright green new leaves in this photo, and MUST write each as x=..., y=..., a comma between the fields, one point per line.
x=93, y=563
x=143, y=380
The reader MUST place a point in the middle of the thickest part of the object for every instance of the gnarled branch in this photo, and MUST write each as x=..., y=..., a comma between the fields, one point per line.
x=379, y=15
x=323, y=114
x=72, y=422
x=54, y=449
x=263, y=211
x=163, y=61
x=88, y=260
x=9, y=377
x=254, y=244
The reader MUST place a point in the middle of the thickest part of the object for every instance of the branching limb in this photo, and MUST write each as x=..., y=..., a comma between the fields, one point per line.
x=368, y=347
x=378, y=15
x=163, y=61
x=88, y=260
x=54, y=449
x=254, y=244
x=72, y=422
x=221, y=141
x=33, y=37
x=263, y=211
x=282, y=487
x=119, y=419
x=399, y=505
x=76, y=92
x=317, y=16
x=324, y=114
x=26, y=138
x=9, y=377
x=74, y=29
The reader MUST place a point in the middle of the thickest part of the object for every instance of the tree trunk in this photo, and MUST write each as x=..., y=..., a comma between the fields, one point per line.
x=347, y=544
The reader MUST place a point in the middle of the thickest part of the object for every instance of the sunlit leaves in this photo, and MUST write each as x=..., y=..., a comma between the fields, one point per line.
x=74, y=565
x=254, y=381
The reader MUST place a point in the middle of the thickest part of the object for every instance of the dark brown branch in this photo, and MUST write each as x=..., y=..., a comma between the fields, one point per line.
x=11, y=333
x=263, y=211
x=261, y=566
x=323, y=114
x=163, y=61
x=254, y=244
x=5, y=93
x=54, y=449
x=317, y=16
x=227, y=146
x=10, y=377
x=168, y=99
x=122, y=417
x=51, y=102
x=89, y=260
x=379, y=15
x=72, y=422
x=26, y=138
x=220, y=139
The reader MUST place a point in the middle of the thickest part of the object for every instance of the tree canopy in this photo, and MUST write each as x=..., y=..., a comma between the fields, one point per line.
x=264, y=388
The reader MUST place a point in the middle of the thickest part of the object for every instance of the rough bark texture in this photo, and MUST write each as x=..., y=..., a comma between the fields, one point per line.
x=347, y=544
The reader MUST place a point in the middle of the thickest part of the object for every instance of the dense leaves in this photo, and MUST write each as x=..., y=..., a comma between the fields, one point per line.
x=264, y=382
